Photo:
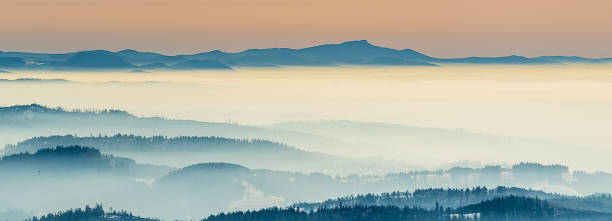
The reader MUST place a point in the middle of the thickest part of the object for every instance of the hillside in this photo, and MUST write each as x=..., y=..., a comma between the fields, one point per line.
x=182, y=151
x=207, y=188
x=90, y=213
x=18, y=123
x=98, y=59
x=133, y=143
x=199, y=65
x=12, y=62
x=427, y=198
x=34, y=182
x=510, y=207
x=73, y=160
x=455, y=198
x=70, y=159
x=423, y=145
x=527, y=208
x=501, y=208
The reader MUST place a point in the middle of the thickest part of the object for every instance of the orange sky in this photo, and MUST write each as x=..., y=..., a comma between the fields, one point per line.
x=444, y=28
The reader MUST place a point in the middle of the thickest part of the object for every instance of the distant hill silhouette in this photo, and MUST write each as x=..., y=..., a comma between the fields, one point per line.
x=359, y=52
x=63, y=159
x=35, y=80
x=254, y=153
x=138, y=71
x=573, y=59
x=130, y=143
x=42, y=57
x=206, y=173
x=498, y=60
x=137, y=57
x=396, y=61
x=19, y=123
x=199, y=65
x=12, y=62
x=96, y=213
x=97, y=59
x=156, y=65
x=195, y=144
x=423, y=141
x=356, y=52
x=352, y=52
x=141, y=58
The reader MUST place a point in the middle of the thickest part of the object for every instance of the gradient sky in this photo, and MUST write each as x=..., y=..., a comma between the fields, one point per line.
x=443, y=28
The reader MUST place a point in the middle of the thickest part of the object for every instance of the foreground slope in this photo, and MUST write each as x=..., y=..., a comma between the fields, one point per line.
x=501, y=208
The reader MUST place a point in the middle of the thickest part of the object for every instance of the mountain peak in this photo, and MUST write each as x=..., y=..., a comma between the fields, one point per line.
x=128, y=51
x=357, y=43
x=96, y=59
x=216, y=52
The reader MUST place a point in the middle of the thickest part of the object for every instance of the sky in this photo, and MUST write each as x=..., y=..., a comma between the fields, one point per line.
x=442, y=28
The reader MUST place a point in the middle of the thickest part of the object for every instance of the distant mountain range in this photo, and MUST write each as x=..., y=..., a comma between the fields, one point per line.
x=347, y=53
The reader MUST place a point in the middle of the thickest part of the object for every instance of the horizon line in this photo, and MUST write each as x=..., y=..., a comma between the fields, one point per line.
x=236, y=52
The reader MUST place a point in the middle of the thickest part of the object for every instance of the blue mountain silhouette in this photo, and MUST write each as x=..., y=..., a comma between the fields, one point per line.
x=199, y=64
x=513, y=59
x=359, y=52
x=12, y=62
x=96, y=59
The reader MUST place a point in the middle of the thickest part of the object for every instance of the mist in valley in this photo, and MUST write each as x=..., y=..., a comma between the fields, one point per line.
x=186, y=145
x=527, y=108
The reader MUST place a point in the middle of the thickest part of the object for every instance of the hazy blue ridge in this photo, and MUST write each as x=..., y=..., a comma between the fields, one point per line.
x=347, y=53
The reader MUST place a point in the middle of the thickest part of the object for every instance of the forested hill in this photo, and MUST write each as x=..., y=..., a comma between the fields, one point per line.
x=128, y=143
x=510, y=207
x=501, y=208
x=427, y=198
x=186, y=150
x=96, y=213
x=71, y=160
x=22, y=114
x=527, y=208
x=18, y=123
x=456, y=198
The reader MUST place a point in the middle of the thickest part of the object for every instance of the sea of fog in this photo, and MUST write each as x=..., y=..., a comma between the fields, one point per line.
x=568, y=104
